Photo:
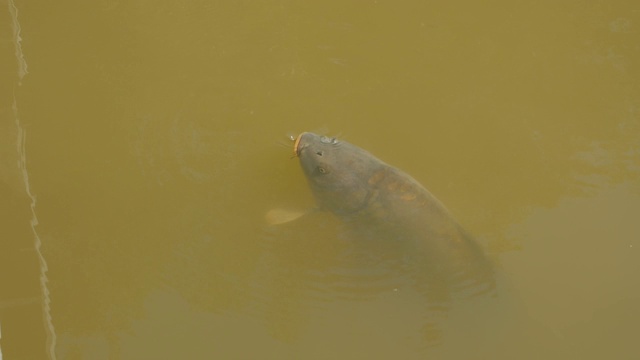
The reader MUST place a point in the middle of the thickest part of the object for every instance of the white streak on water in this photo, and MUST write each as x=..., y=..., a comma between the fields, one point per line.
x=22, y=165
x=46, y=300
x=17, y=41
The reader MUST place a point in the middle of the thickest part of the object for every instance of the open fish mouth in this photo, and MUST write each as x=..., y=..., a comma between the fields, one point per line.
x=296, y=145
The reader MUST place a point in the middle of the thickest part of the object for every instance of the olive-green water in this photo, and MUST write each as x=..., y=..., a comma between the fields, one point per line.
x=143, y=142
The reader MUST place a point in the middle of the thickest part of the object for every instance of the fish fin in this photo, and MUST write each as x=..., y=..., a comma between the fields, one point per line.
x=280, y=216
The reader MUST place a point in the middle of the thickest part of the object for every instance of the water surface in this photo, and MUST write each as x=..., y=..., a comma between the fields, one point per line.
x=142, y=143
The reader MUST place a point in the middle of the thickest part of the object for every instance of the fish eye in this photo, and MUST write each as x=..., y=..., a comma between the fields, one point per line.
x=319, y=153
x=322, y=170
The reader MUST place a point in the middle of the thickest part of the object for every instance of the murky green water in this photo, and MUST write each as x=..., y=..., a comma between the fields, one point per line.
x=142, y=144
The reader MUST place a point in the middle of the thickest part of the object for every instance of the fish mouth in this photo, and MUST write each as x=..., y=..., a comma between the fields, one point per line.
x=296, y=145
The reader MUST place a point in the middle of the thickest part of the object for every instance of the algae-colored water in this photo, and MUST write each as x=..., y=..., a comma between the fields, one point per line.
x=142, y=143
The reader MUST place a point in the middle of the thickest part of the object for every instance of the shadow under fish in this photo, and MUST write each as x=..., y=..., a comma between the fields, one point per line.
x=398, y=232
